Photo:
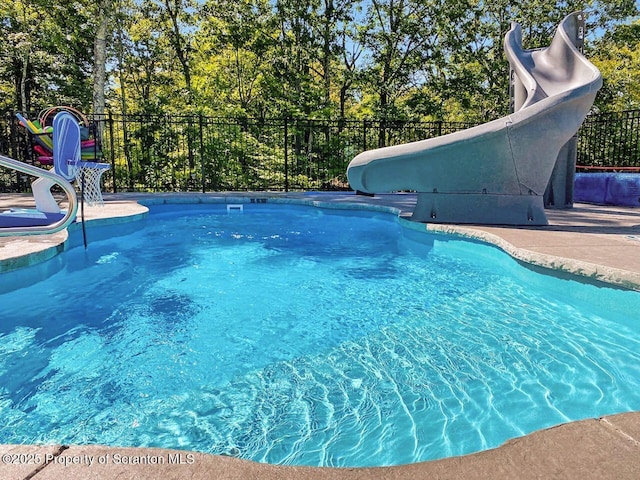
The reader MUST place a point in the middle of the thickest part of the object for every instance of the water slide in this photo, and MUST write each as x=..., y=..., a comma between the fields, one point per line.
x=497, y=172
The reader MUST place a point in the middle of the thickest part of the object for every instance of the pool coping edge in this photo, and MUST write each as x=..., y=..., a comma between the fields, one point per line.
x=592, y=448
x=586, y=271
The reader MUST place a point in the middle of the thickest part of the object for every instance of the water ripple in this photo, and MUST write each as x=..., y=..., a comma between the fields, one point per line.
x=270, y=343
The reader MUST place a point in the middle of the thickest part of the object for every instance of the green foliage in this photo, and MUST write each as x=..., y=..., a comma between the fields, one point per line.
x=428, y=59
x=47, y=50
x=617, y=55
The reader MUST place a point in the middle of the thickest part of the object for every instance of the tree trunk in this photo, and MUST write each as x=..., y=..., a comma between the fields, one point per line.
x=343, y=99
x=326, y=50
x=180, y=46
x=24, y=100
x=384, y=105
x=100, y=62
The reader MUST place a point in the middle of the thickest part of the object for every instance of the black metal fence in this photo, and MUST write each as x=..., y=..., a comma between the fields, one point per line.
x=199, y=153
x=610, y=142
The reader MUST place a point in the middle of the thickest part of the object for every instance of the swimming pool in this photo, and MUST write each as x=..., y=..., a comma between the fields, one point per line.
x=304, y=336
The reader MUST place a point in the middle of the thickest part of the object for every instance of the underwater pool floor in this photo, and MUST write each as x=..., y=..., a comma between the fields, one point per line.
x=596, y=242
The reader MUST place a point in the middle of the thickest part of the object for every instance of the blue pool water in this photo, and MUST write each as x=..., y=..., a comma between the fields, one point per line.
x=307, y=336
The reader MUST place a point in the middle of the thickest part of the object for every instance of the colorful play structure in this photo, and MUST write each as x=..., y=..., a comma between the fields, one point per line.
x=59, y=141
x=498, y=172
x=42, y=129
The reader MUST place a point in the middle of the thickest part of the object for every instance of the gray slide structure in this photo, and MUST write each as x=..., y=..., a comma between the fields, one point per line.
x=497, y=172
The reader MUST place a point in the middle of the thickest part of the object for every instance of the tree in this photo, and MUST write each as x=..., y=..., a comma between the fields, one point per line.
x=290, y=79
x=139, y=56
x=105, y=8
x=48, y=50
x=617, y=55
x=235, y=40
x=347, y=69
x=433, y=59
x=404, y=40
x=178, y=17
x=472, y=82
x=330, y=23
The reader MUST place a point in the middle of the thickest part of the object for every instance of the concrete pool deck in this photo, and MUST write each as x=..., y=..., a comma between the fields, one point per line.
x=596, y=243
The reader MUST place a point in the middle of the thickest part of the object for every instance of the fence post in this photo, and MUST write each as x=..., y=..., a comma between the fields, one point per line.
x=113, y=157
x=127, y=153
x=202, y=170
x=364, y=135
x=286, y=154
x=13, y=135
x=13, y=148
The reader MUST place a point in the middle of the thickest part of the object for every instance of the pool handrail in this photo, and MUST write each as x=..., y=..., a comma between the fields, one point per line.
x=61, y=224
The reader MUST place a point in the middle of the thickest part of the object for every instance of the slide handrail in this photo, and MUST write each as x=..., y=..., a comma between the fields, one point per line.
x=72, y=210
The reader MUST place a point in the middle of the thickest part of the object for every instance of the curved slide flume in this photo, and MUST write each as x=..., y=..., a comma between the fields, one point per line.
x=495, y=173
